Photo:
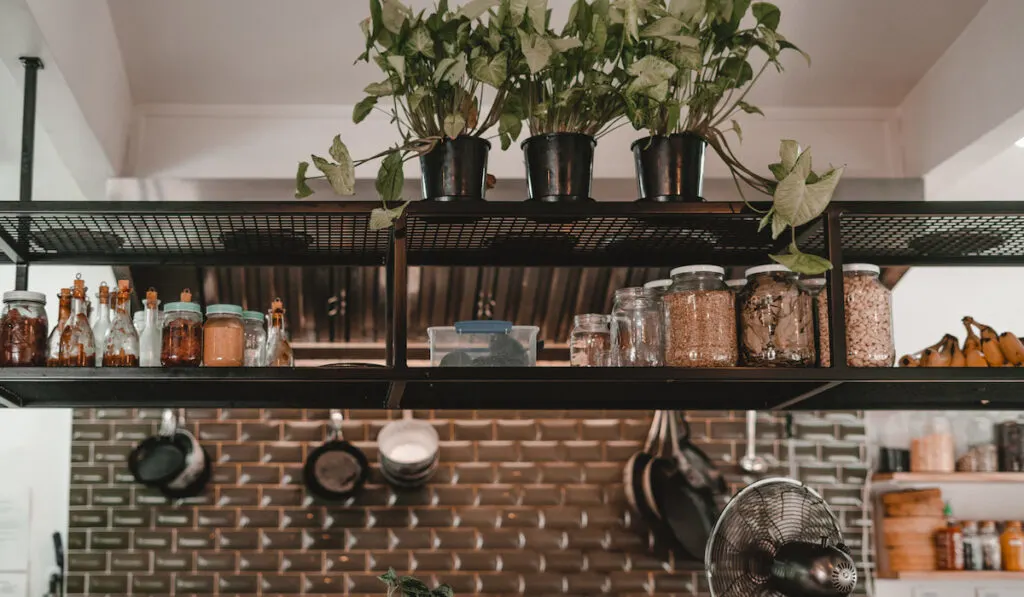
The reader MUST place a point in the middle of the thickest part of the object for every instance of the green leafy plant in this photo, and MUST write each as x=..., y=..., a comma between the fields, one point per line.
x=408, y=586
x=445, y=76
x=689, y=68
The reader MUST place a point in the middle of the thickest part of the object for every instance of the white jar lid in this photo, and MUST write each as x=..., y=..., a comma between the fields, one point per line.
x=862, y=267
x=767, y=269
x=736, y=283
x=693, y=269
x=814, y=283
x=24, y=295
x=658, y=284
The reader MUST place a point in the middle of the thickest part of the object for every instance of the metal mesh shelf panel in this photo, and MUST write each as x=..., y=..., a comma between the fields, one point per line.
x=933, y=238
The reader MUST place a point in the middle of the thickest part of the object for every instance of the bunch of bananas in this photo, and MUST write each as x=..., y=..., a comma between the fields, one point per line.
x=986, y=348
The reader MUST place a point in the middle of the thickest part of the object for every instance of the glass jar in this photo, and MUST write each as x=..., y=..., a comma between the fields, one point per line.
x=590, y=341
x=121, y=346
x=869, y=339
x=973, y=559
x=223, y=337
x=1012, y=543
x=255, y=339
x=660, y=287
x=181, y=338
x=775, y=318
x=53, y=342
x=77, y=345
x=991, y=551
x=815, y=288
x=637, y=329
x=982, y=456
x=23, y=329
x=279, y=347
x=700, y=318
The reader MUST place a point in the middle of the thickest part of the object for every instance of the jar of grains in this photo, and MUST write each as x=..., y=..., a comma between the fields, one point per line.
x=637, y=329
x=815, y=287
x=869, y=340
x=590, y=341
x=223, y=337
x=700, y=318
x=181, y=341
x=23, y=330
x=255, y=339
x=775, y=319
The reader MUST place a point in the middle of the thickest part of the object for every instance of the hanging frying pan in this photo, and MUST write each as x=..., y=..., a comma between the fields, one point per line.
x=171, y=461
x=336, y=470
x=707, y=474
x=632, y=474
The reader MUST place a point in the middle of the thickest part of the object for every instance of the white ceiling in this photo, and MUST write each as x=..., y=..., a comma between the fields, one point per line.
x=865, y=52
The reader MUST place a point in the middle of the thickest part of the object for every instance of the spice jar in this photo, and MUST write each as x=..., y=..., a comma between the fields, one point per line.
x=973, y=559
x=982, y=456
x=255, y=339
x=933, y=450
x=949, y=544
x=869, y=340
x=23, y=329
x=590, y=341
x=991, y=551
x=1012, y=543
x=637, y=326
x=279, y=347
x=121, y=346
x=181, y=339
x=700, y=318
x=223, y=337
x=775, y=318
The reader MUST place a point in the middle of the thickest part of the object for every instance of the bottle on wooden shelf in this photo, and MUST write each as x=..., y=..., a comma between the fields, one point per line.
x=1012, y=544
x=949, y=543
x=101, y=321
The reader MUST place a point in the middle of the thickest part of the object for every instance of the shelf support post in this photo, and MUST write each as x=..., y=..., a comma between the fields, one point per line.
x=397, y=276
x=28, y=146
x=836, y=302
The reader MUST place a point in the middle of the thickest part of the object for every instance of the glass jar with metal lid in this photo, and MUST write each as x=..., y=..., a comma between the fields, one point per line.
x=775, y=319
x=658, y=286
x=700, y=318
x=869, y=338
x=23, y=329
x=637, y=329
x=590, y=341
x=255, y=339
x=181, y=339
x=223, y=337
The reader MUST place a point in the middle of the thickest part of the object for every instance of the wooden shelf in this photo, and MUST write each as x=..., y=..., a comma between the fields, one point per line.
x=913, y=478
x=961, y=575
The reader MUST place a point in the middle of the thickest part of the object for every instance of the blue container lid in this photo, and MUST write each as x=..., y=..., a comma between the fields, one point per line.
x=253, y=315
x=190, y=307
x=224, y=310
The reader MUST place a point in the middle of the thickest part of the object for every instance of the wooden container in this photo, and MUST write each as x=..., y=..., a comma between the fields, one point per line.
x=914, y=503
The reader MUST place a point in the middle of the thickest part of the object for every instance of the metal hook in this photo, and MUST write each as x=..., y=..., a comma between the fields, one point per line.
x=168, y=423
x=336, y=420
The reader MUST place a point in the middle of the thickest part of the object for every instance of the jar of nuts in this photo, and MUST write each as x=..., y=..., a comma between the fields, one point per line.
x=775, y=319
x=816, y=288
x=869, y=340
x=700, y=318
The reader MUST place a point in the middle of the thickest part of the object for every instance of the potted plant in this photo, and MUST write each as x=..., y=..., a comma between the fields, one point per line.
x=445, y=86
x=689, y=70
x=409, y=586
x=565, y=88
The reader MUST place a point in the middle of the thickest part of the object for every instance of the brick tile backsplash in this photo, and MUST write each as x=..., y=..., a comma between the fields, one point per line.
x=523, y=502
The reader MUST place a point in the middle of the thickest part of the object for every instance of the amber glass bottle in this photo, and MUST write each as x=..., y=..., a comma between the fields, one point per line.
x=949, y=544
x=1012, y=543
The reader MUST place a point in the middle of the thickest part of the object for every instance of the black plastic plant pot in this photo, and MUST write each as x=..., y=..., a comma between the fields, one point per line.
x=670, y=168
x=456, y=170
x=559, y=166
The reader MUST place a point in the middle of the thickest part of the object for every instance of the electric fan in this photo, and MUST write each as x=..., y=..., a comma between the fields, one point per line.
x=778, y=538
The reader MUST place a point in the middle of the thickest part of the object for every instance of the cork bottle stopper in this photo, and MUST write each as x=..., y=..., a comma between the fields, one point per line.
x=151, y=298
x=104, y=292
x=122, y=286
x=277, y=306
x=65, y=294
x=79, y=286
x=186, y=296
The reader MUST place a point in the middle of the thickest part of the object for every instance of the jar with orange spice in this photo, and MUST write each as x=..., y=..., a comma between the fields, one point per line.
x=223, y=337
x=181, y=343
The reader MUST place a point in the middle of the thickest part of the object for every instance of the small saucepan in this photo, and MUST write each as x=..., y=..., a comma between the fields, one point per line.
x=336, y=470
x=409, y=451
x=171, y=461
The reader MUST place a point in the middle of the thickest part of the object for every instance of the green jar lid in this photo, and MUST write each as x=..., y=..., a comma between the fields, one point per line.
x=224, y=310
x=253, y=316
x=190, y=307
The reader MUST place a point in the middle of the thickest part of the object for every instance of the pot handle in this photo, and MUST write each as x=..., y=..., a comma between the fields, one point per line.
x=335, y=425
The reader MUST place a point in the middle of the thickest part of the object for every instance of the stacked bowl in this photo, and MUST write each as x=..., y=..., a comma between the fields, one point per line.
x=408, y=452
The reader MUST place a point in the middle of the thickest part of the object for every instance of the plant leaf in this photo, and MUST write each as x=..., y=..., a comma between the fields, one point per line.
x=785, y=45
x=443, y=591
x=363, y=108
x=767, y=219
x=450, y=70
x=382, y=89
x=302, y=189
x=802, y=263
x=454, y=125
x=390, y=178
x=778, y=227
x=536, y=50
x=778, y=170
x=789, y=151
x=421, y=42
x=766, y=14
x=739, y=131
x=416, y=97
x=492, y=71
x=537, y=10
x=651, y=76
x=564, y=44
x=339, y=151
x=341, y=178
x=394, y=14
x=381, y=218
x=689, y=11
x=474, y=9
x=509, y=127
x=631, y=18
x=663, y=27
x=517, y=11
x=798, y=202
x=398, y=63
x=748, y=108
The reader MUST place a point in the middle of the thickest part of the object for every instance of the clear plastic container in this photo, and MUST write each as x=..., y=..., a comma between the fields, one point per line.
x=776, y=320
x=223, y=337
x=869, y=339
x=255, y=339
x=638, y=329
x=483, y=344
x=181, y=340
x=23, y=329
x=590, y=341
x=700, y=318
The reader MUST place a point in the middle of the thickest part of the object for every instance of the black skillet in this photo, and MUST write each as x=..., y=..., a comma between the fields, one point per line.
x=633, y=477
x=336, y=470
x=707, y=474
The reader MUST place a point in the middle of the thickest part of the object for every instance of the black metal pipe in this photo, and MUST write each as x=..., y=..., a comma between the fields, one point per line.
x=399, y=297
x=28, y=148
x=836, y=302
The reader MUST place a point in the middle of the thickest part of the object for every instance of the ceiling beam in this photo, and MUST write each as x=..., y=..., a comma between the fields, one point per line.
x=970, y=106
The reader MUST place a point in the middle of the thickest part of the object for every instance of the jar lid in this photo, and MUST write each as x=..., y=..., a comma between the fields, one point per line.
x=736, y=283
x=815, y=283
x=224, y=310
x=693, y=269
x=190, y=307
x=592, y=318
x=24, y=295
x=253, y=316
x=862, y=267
x=658, y=284
x=770, y=268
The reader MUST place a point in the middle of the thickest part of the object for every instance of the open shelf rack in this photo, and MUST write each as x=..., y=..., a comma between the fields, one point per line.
x=506, y=233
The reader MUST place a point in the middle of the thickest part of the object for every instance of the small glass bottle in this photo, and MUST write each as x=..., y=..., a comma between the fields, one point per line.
x=700, y=318
x=151, y=336
x=139, y=321
x=53, y=342
x=949, y=544
x=279, y=349
x=223, y=337
x=121, y=348
x=77, y=345
x=182, y=335
x=590, y=341
x=973, y=558
x=101, y=320
x=23, y=328
x=1012, y=547
x=637, y=327
x=991, y=550
x=255, y=339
